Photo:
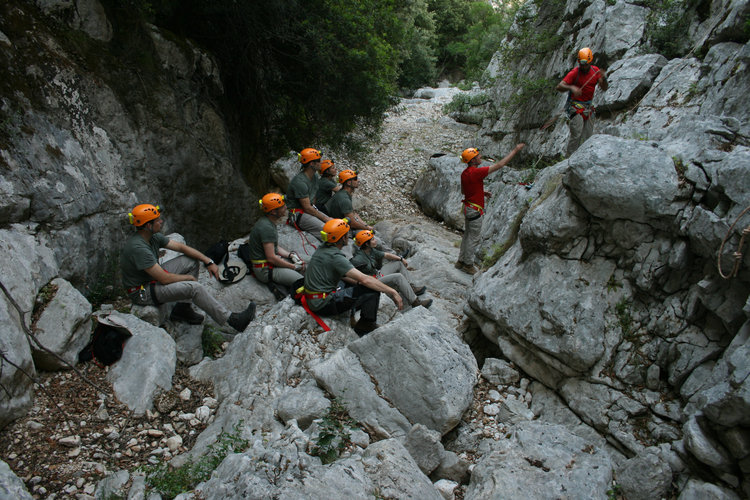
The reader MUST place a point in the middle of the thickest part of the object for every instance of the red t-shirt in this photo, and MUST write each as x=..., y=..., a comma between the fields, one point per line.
x=472, y=184
x=585, y=81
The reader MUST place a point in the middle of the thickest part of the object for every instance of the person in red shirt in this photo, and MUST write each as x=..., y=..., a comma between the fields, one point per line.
x=580, y=83
x=472, y=187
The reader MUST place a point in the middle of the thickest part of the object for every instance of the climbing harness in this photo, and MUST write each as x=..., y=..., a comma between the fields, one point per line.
x=294, y=214
x=738, y=254
x=475, y=206
x=302, y=294
x=585, y=109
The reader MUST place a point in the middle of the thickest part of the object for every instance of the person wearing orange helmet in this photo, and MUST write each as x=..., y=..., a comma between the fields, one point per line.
x=149, y=282
x=340, y=205
x=327, y=185
x=369, y=260
x=271, y=262
x=325, y=292
x=300, y=195
x=472, y=187
x=580, y=84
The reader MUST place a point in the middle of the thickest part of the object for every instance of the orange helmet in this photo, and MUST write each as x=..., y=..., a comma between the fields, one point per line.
x=363, y=237
x=144, y=213
x=334, y=230
x=345, y=175
x=307, y=155
x=469, y=154
x=325, y=165
x=271, y=201
x=585, y=54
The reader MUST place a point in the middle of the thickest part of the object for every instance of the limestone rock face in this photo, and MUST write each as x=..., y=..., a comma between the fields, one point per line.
x=62, y=328
x=91, y=151
x=149, y=359
x=539, y=461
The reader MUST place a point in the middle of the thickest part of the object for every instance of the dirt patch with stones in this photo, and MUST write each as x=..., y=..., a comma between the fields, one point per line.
x=74, y=435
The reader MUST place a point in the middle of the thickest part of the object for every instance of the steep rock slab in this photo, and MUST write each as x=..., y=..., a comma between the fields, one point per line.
x=343, y=376
x=62, y=328
x=438, y=191
x=27, y=264
x=725, y=399
x=635, y=177
x=559, y=307
x=629, y=79
x=383, y=470
x=541, y=461
x=147, y=364
x=426, y=371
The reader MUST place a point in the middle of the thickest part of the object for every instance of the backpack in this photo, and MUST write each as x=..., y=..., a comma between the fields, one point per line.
x=218, y=252
x=106, y=345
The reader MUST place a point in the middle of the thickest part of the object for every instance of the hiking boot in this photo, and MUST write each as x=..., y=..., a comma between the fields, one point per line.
x=239, y=321
x=364, y=326
x=467, y=268
x=183, y=313
x=418, y=290
x=424, y=303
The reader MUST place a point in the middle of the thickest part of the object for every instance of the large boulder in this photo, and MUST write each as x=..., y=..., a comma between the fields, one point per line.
x=62, y=328
x=27, y=264
x=11, y=486
x=636, y=177
x=527, y=303
x=438, y=191
x=424, y=370
x=541, y=461
x=148, y=361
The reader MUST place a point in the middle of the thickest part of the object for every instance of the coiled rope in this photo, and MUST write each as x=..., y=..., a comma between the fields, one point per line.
x=738, y=254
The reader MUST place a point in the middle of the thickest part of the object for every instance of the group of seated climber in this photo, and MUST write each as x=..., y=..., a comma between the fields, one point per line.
x=329, y=284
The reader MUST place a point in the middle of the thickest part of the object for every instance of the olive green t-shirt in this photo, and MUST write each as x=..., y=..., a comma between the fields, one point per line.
x=326, y=267
x=264, y=231
x=301, y=187
x=325, y=191
x=340, y=204
x=137, y=255
x=367, y=262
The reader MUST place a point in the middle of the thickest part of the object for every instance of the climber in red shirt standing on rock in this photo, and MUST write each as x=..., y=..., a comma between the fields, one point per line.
x=580, y=83
x=472, y=187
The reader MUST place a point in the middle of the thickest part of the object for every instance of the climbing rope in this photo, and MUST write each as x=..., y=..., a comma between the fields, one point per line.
x=738, y=254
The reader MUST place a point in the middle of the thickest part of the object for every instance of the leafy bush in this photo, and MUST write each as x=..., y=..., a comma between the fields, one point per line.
x=170, y=482
x=211, y=341
x=107, y=286
x=666, y=25
x=334, y=435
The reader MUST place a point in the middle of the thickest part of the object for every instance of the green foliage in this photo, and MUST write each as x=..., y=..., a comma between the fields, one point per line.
x=415, y=44
x=211, y=341
x=334, y=434
x=463, y=103
x=170, y=482
x=613, y=285
x=615, y=493
x=468, y=32
x=535, y=33
x=106, y=288
x=499, y=249
x=624, y=318
x=666, y=25
x=528, y=91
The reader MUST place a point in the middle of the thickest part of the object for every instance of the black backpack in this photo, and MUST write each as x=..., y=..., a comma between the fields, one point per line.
x=106, y=345
x=219, y=252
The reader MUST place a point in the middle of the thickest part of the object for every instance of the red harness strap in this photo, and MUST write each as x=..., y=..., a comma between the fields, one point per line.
x=294, y=214
x=317, y=319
